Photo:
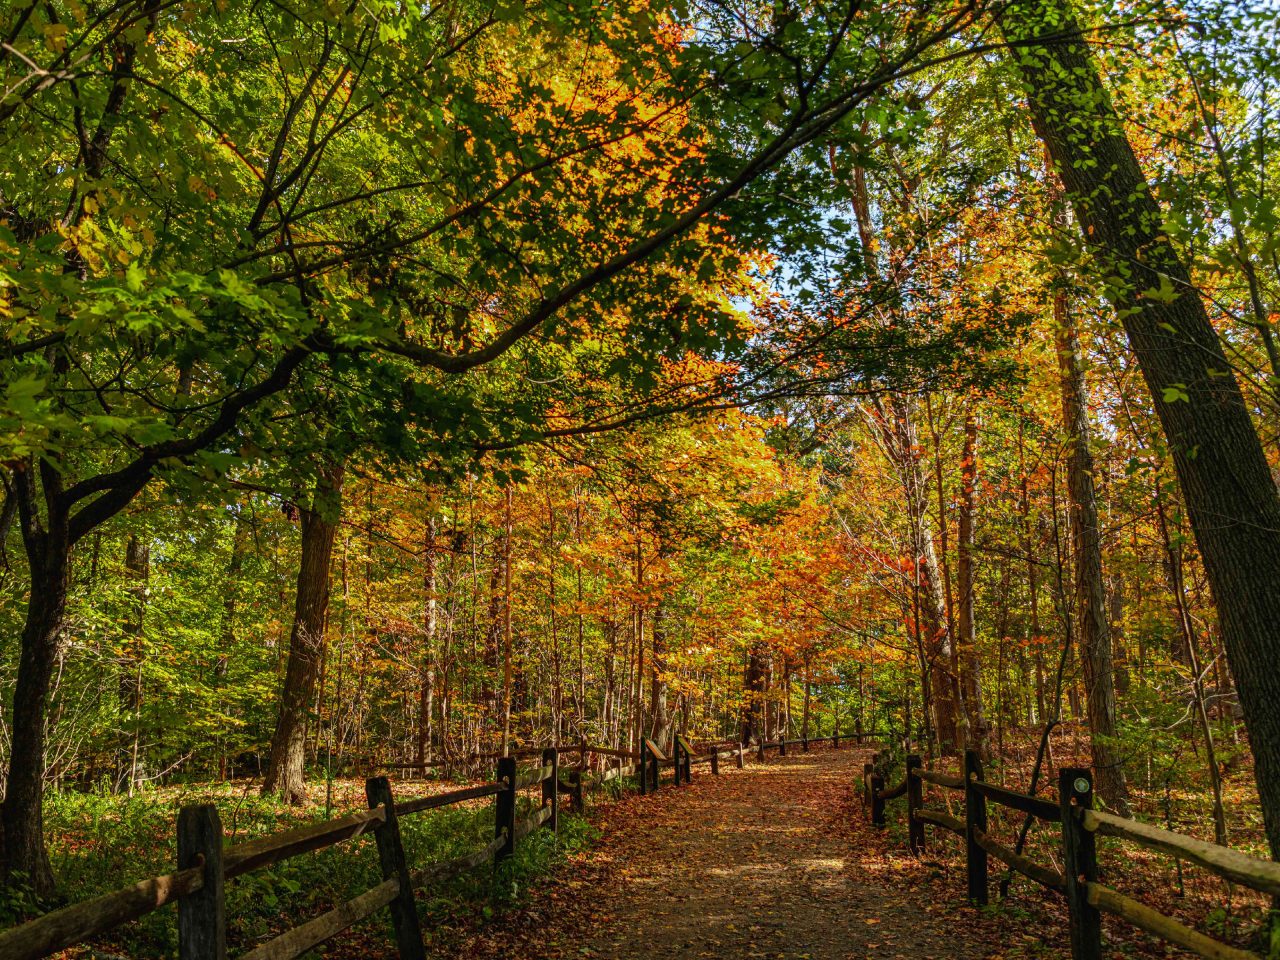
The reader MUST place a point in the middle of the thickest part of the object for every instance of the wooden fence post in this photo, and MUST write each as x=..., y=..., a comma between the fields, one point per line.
x=877, y=801
x=202, y=928
x=915, y=800
x=504, y=809
x=644, y=767
x=760, y=749
x=579, y=803
x=782, y=745
x=804, y=744
x=404, y=911
x=835, y=741
x=715, y=762
x=551, y=787
x=975, y=818
x=1080, y=863
x=742, y=760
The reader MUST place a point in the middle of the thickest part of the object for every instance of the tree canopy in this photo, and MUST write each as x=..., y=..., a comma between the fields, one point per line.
x=399, y=383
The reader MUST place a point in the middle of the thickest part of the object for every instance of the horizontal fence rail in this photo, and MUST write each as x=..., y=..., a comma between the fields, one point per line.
x=1078, y=880
x=206, y=863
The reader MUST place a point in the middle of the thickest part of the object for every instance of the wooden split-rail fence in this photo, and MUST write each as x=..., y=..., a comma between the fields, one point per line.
x=205, y=863
x=1079, y=879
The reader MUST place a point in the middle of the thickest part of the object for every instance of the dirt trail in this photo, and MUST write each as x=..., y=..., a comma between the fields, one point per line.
x=761, y=863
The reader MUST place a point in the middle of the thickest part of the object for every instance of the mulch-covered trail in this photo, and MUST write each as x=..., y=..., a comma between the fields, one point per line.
x=775, y=861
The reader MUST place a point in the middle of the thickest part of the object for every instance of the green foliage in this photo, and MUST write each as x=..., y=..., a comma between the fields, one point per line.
x=106, y=840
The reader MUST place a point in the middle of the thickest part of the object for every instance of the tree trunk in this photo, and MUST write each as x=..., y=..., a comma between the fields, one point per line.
x=978, y=734
x=808, y=696
x=47, y=542
x=660, y=727
x=506, y=627
x=901, y=443
x=137, y=565
x=1229, y=492
x=49, y=555
x=1093, y=627
x=228, y=627
x=430, y=620
x=285, y=765
x=753, y=690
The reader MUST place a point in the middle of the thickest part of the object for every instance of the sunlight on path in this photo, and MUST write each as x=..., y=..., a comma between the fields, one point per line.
x=755, y=864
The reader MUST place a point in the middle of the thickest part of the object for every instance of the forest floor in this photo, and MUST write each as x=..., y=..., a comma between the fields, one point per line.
x=779, y=862
x=769, y=862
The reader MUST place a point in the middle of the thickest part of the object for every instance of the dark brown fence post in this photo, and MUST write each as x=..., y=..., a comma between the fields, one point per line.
x=1080, y=863
x=915, y=800
x=575, y=792
x=504, y=809
x=835, y=741
x=551, y=787
x=404, y=911
x=742, y=760
x=975, y=817
x=877, y=801
x=760, y=749
x=644, y=767
x=782, y=745
x=202, y=928
x=715, y=762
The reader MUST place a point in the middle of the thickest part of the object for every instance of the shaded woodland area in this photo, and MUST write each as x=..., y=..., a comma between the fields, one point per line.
x=396, y=386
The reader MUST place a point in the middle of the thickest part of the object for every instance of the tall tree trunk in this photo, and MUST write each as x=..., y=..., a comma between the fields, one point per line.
x=1231, y=497
x=660, y=728
x=137, y=565
x=808, y=695
x=977, y=735
x=637, y=636
x=753, y=694
x=47, y=543
x=1093, y=626
x=1119, y=648
x=557, y=671
x=430, y=622
x=285, y=765
x=230, y=598
x=1033, y=579
x=506, y=626
x=901, y=443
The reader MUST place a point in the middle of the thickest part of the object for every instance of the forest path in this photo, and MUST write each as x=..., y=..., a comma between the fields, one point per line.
x=764, y=862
